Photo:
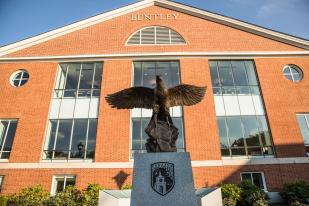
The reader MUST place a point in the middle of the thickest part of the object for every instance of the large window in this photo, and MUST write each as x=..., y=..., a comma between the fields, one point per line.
x=7, y=133
x=72, y=127
x=303, y=121
x=144, y=75
x=242, y=123
x=256, y=178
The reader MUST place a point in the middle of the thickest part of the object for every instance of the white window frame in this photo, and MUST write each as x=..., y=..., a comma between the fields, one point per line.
x=5, y=136
x=155, y=37
x=289, y=66
x=263, y=178
x=307, y=122
x=54, y=182
x=12, y=78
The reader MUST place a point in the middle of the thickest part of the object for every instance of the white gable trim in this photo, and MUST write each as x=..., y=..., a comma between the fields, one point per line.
x=288, y=39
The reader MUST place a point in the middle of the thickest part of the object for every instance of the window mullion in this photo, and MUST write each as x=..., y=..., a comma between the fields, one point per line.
x=79, y=77
x=87, y=136
x=71, y=136
x=66, y=78
x=291, y=74
x=64, y=182
x=155, y=35
x=56, y=136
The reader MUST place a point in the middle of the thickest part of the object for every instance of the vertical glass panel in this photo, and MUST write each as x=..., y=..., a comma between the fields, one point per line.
x=60, y=184
x=238, y=151
x=63, y=138
x=214, y=73
x=246, y=176
x=149, y=73
x=137, y=74
x=263, y=130
x=251, y=73
x=257, y=180
x=239, y=73
x=145, y=122
x=235, y=132
x=86, y=76
x=73, y=76
x=61, y=75
x=50, y=141
x=10, y=136
x=222, y=126
x=225, y=152
x=70, y=181
x=225, y=73
x=79, y=138
x=97, y=76
x=251, y=130
x=178, y=122
x=175, y=79
x=303, y=127
x=148, y=35
x=3, y=128
x=92, y=134
x=136, y=134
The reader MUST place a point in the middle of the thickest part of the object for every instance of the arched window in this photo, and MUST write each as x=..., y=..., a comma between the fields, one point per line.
x=155, y=35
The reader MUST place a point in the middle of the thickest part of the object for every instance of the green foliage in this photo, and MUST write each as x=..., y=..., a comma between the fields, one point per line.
x=91, y=194
x=69, y=197
x=126, y=187
x=296, y=203
x=296, y=192
x=252, y=195
x=3, y=200
x=231, y=194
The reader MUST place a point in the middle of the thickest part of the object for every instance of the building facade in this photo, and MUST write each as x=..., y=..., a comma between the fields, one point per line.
x=57, y=129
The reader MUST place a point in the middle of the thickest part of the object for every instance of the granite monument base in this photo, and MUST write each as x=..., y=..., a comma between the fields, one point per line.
x=163, y=179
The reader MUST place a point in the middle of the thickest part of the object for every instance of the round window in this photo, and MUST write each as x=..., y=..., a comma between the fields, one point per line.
x=293, y=73
x=19, y=78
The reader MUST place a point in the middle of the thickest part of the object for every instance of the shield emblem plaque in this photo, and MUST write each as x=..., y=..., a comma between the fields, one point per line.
x=162, y=177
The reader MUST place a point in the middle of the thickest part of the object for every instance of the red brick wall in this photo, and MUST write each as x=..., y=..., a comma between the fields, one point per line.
x=110, y=37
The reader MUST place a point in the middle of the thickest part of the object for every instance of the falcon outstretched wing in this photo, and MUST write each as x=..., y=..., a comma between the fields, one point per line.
x=134, y=97
x=185, y=94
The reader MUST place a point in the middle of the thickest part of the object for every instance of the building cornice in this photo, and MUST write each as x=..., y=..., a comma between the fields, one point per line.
x=278, y=36
x=157, y=56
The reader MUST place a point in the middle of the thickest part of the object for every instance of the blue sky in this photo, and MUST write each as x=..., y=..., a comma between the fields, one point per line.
x=21, y=19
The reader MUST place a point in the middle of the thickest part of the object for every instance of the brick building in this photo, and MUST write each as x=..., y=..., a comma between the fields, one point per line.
x=56, y=128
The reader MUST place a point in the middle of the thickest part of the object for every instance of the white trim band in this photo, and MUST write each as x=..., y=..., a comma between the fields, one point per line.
x=213, y=55
x=129, y=165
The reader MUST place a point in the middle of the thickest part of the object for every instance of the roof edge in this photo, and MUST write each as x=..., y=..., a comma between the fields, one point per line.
x=228, y=21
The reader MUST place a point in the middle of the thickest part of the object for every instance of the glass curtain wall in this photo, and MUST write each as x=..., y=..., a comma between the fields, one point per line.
x=241, y=118
x=73, y=115
x=144, y=75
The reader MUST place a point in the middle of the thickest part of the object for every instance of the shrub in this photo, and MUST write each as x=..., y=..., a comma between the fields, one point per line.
x=252, y=195
x=69, y=197
x=297, y=191
x=231, y=194
x=3, y=200
x=296, y=203
x=91, y=194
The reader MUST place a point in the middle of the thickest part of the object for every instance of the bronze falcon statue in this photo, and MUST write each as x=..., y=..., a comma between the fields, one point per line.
x=161, y=131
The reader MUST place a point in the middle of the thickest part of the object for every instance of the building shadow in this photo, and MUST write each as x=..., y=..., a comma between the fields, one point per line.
x=120, y=178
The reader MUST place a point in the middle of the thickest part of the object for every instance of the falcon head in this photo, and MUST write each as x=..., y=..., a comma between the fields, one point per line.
x=159, y=81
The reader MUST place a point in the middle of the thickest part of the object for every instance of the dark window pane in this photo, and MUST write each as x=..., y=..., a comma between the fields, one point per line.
x=254, y=151
x=16, y=83
x=307, y=148
x=70, y=181
x=238, y=151
x=63, y=138
x=268, y=151
x=214, y=73
x=22, y=82
x=61, y=76
x=137, y=74
x=60, y=184
x=52, y=134
x=79, y=138
x=257, y=180
x=5, y=155
x=239, y=73
x=149, y=73
x=217, y=91
x=72, y=76
x=246, y=176
x=136, y=134
x=92, y=134
x=10, y=136
x=263, y=130
x=251, y=73
x=178, y=122
x=235, y=132
x=18, y=75
x=25, y=75
x=86, y=76
x=224, y=143
x=225, y=152
x=97, y=76
x=145, y=122
x=255, y=90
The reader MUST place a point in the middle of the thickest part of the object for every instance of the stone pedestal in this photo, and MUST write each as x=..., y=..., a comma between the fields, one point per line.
x=163, y=179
